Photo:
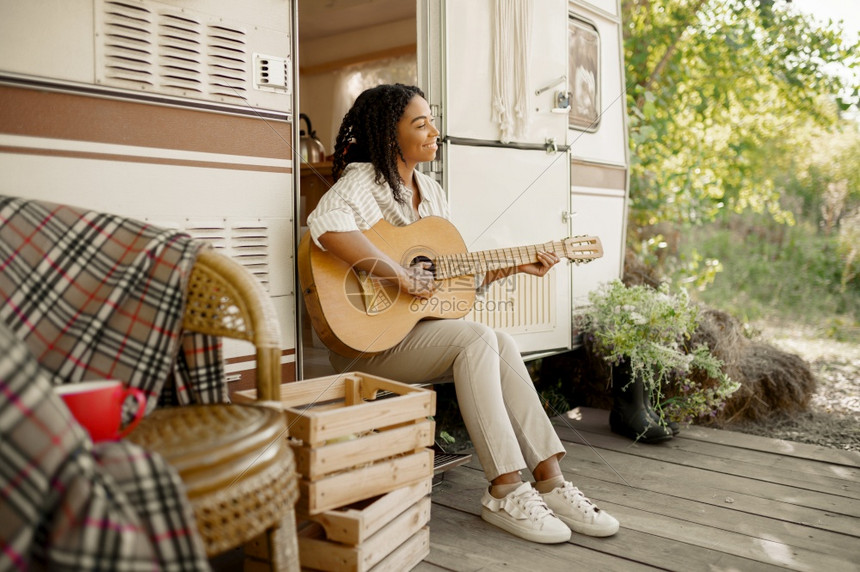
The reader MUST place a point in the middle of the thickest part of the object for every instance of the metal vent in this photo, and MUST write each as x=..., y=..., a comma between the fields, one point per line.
x=154, y=47
x=245, y=241
x=180, y=52
x=250, y=242
x=518, y=304
x=272, y=73
x=127, y=43
x=213, y=231
x=228, y=61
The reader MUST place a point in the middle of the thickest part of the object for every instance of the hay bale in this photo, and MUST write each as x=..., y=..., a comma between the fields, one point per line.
x=772, y=380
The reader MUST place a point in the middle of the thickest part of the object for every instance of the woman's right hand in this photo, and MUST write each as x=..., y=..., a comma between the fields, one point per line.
x=418, y=280
x=355, y=249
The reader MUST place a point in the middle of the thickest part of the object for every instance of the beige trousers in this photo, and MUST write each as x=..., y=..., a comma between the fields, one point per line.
x=498, y=401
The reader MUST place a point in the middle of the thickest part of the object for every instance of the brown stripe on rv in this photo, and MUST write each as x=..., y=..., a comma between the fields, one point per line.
x=597, y=176
x=75, y=117
x=143, y=159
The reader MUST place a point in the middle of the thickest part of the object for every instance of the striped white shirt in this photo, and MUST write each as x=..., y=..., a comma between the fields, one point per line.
x=357, y=202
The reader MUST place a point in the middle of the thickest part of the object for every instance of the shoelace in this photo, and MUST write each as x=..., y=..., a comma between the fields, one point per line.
x=532, y=504
x=577, y=498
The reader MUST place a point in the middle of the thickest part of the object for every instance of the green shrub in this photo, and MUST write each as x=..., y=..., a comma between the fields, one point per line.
x=794, y=274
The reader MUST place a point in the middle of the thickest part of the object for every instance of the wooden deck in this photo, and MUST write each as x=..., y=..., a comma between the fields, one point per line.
x=706, y=500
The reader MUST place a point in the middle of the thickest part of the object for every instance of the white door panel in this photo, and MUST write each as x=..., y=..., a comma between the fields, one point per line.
x=469, y=70
x=502, y=198
x=598, y=212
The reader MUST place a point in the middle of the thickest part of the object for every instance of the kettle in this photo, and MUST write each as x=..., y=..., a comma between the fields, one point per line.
x=311, y=148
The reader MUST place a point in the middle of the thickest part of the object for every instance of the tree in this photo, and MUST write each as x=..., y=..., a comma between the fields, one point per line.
x=724, y=96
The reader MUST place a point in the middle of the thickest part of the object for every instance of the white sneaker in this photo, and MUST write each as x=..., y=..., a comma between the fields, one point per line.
x=523, y=513
x=570, y=505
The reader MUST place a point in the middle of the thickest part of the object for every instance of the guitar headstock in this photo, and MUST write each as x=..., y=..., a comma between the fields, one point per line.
x=581, y=249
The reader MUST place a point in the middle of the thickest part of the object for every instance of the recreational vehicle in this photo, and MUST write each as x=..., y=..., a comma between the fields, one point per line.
x=219, y=118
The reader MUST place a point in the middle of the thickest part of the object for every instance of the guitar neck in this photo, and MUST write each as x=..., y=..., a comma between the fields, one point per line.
x=484, y=261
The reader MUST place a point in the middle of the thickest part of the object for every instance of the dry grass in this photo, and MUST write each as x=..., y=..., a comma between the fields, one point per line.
x=832, y=418
x=773, y=381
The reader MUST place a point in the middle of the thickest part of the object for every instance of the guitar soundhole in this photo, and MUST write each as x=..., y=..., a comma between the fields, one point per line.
x=423, y=258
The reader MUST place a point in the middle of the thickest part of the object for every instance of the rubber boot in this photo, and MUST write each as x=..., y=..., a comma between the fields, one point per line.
x=631, y=413
x=673, y=426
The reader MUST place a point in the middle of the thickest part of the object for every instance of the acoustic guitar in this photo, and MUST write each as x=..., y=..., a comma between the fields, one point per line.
x=356, y=314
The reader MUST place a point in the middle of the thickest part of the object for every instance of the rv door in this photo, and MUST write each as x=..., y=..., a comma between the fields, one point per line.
x=514, y=193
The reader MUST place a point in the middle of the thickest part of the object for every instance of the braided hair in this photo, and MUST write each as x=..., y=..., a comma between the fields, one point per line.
x=368, y=133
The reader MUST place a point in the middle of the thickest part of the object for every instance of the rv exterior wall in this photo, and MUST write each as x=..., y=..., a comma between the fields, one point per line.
x=599, y=157
x=215, y=161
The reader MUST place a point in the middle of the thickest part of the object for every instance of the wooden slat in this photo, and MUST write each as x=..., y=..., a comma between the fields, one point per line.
x=774, y=501
x=631, y=545
x=747, y=533
x=317, y=427
x=408, y=554
x=324, y=555
x=596, y=421
x=379, y=478
x=462, y=541
x=356, y=523
x=316, y=462
x=781, y=446
x=704, y=500
x=425, y=566
x=672, y=453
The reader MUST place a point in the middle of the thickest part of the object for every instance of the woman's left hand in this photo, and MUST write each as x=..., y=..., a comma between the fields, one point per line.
x=546, y=260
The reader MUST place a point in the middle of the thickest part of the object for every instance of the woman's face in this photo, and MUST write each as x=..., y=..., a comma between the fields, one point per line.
x=416, y=133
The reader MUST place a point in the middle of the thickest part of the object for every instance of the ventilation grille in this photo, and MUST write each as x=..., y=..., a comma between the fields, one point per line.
x=247, y=242
x=518, y=304
x=250, y=242
x=272, y=73
x=148, y=47
x=228, y=63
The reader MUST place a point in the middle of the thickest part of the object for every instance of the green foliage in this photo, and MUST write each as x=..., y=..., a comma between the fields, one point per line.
x=739, y=107
x=797, y=274
x=649, y=329
x=723, y=96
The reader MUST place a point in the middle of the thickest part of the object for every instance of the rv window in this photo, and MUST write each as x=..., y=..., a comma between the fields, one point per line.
x=584, y=45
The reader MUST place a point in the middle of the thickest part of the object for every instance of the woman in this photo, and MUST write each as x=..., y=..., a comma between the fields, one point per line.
x=384, y=136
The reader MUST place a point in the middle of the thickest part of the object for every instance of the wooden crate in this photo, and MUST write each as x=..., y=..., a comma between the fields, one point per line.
x=355, y=523
x=388, y=533
x=350, y=443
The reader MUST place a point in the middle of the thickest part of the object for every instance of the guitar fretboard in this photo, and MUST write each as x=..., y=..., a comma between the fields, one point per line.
x=453, y=265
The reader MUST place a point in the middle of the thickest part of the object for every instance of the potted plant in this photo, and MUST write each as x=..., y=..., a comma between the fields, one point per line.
x=643, y=334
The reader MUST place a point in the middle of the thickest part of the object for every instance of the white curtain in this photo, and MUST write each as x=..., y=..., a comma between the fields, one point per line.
x=511, y=34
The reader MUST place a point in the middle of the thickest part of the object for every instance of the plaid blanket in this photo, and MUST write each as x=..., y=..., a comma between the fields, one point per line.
x=98, y=296
x=66, y=504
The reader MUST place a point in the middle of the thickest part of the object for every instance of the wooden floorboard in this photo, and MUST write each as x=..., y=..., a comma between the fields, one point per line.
x=706, y=500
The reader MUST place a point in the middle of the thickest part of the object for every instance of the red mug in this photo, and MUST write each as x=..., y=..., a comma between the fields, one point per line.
x=97, y=406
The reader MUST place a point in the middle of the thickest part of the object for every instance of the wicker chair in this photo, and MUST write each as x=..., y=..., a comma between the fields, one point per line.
x=224, y=299
x=238, y=470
